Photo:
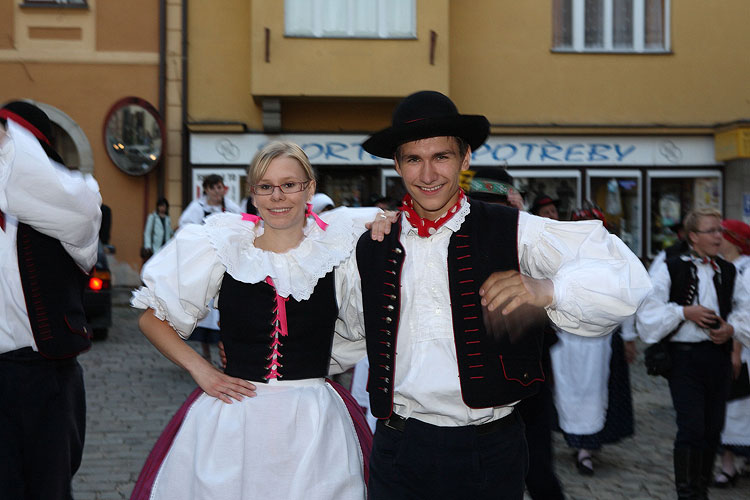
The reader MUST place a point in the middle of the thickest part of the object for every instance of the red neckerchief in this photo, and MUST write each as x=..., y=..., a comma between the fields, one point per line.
x=698, y=259
x=426, y=227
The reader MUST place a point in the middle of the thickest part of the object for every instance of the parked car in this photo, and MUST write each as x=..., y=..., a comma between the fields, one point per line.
x=97, y=297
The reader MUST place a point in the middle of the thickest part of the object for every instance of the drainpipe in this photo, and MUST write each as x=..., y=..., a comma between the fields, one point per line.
x=186, y=173
x=161, y=168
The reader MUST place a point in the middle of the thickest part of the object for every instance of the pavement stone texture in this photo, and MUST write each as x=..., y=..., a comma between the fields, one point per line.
x=133, y=391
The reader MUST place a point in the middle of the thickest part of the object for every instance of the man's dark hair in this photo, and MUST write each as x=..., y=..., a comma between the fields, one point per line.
x=463, y=147
x=211, y=180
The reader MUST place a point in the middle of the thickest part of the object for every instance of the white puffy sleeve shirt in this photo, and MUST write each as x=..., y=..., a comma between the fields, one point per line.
x=657, y=317
x=182, y=279
x=598, y=283
x=53, y=200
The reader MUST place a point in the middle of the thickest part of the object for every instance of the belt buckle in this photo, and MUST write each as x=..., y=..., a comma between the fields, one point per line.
x=395, y=422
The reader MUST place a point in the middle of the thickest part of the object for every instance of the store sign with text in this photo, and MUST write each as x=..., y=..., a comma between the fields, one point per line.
x=513, y=151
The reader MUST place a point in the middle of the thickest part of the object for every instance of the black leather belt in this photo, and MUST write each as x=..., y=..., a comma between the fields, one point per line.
x=398, y=423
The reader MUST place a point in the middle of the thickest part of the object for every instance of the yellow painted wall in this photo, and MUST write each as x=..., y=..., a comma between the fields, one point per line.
x=6, y=23
x=128, y=26
x=219, y=63
x=347, y=67
x=502, y=65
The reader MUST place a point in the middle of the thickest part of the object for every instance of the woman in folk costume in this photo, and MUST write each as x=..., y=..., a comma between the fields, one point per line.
x=735, y=439
x=277, y=429
x=592, y=382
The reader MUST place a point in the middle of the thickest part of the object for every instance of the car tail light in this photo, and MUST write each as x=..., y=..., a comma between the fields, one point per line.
x=99, y=280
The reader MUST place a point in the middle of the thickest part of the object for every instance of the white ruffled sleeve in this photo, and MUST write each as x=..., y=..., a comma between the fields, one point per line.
x=181, y=280
x=598, y=281
x=349, y=336
x=55, y=201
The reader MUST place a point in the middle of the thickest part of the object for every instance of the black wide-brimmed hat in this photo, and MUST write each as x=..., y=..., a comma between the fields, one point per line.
x=540, y=201
x=35, y=121
x=427, y=114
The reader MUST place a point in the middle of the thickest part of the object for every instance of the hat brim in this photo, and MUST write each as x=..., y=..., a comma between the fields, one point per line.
x=474, y=129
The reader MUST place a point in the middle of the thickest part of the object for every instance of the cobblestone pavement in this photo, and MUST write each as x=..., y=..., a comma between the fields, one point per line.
x=132, y=391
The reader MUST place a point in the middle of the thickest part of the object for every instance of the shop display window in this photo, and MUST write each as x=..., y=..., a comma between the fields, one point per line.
x=349, y=187
x=672, y=195
x=618, y=194
x=561, y=185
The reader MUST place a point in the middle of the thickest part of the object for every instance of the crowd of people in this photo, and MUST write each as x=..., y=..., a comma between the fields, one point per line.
x=473, y=325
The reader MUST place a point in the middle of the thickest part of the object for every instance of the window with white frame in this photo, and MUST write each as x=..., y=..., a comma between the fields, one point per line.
x=55, y=3
x=611, y=25
x=350, y=18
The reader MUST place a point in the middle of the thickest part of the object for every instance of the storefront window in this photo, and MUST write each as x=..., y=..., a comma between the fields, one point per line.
x=672, y=195
x=618, y=194
x=349, y=187
x=561, y=185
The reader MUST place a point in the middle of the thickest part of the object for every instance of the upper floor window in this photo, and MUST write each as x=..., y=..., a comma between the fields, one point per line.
x=611, y=25
x=350, y=18
x=54, y=3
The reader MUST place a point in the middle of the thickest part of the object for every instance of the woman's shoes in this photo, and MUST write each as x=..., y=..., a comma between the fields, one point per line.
x=725, y=480
x=584, y=463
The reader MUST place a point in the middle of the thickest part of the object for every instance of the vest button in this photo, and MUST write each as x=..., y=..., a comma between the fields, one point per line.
x=389, y=307
x=388, y=320
x=393, y=297
x=397, y=250
x=526, y=376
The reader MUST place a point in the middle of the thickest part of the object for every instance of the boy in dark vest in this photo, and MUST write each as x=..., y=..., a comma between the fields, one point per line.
x=696, y=307
x=447, y=293
x=49, y=230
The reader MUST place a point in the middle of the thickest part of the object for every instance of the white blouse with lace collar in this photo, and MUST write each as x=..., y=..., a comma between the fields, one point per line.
x=186, y=274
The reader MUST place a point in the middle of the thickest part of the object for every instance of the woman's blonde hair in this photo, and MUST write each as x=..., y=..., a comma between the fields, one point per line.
x=270, y=152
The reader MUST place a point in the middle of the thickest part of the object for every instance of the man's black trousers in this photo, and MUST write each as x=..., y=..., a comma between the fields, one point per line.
x=424, y=461
x=42, y=425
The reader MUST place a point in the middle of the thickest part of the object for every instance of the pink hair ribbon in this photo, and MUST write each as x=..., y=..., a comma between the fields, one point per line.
x=309, y=212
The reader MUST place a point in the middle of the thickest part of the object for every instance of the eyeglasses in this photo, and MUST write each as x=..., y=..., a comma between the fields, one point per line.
x=716, y=230
x=286, y=188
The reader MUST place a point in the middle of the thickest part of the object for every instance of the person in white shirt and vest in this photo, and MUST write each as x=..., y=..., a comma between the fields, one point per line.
x=49, y=231
x=445, y=293
x=694, y=307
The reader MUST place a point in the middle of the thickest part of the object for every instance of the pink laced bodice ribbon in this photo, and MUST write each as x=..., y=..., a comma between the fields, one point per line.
x=279, y=328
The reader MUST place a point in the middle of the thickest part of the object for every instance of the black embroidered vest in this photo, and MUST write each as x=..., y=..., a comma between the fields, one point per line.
x=493, y=371
x=53, y=286
x=247, y=330
x=684, y=283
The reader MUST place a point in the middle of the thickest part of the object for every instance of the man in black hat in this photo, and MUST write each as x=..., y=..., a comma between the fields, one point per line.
x=49, y=225
x=441, y=289
x=545, y=206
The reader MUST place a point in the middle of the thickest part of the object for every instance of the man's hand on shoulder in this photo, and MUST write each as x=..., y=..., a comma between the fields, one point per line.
x=382, y=223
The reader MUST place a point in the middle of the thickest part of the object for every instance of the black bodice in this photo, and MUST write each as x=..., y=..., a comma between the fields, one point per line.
x=248, y=317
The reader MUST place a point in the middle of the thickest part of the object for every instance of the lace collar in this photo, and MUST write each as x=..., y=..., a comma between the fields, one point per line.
x=295, y=272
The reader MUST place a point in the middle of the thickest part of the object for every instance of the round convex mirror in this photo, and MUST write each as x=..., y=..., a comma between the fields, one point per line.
x=134, y=136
